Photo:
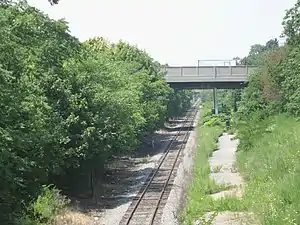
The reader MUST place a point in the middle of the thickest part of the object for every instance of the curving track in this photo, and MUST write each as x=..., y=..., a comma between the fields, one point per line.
x=148, y=205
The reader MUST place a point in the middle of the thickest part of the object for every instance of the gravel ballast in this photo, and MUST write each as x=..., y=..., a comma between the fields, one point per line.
x=170, y=213
x=175, y=200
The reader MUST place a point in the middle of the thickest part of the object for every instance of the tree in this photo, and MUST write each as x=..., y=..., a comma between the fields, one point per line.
x=66, y=107
x=52, y=2
x=237, y=60
x=291, y=23
x=272, y=44
x=256, y=49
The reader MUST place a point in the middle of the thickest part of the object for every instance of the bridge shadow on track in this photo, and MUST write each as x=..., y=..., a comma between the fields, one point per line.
x=185, y=128
x=161, y=141
x=126, y=176
x=119, y=188
x=121, y=182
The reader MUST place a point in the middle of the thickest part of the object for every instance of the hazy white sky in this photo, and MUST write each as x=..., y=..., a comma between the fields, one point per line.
x=175, y=31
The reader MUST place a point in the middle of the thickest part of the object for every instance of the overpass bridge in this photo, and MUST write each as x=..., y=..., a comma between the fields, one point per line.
x=208, y=77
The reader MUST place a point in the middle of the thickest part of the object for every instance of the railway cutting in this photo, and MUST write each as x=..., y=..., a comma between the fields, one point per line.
x=147, y=207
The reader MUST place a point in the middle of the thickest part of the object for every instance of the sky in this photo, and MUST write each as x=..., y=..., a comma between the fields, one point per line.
x=176, y=32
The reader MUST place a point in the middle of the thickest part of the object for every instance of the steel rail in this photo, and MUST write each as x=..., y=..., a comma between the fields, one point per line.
x=157, y=169
x=186, y=137
x=152, y=177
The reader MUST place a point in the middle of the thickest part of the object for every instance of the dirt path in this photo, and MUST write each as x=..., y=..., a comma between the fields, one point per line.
x=224, y=160
x=222, y=164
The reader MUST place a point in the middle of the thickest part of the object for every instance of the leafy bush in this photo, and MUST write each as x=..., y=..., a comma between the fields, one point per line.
x=210, y=120
x=213, y=121
x=44, y=209
x=48, y=204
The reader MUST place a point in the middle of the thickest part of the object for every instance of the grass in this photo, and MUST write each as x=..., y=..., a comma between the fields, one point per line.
x=72, y=217
x=44, y=210
x=268, y=158
x=198, y=200
x=270, y=163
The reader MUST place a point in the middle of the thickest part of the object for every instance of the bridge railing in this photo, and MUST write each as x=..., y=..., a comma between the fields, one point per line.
x=210, y=71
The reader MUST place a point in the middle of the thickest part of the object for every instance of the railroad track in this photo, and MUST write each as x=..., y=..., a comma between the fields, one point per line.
x=147, y=207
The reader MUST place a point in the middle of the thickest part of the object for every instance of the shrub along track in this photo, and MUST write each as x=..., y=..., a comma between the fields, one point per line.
x=147, y=206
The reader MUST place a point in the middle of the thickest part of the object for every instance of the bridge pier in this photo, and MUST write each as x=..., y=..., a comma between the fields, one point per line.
x=235, y=100
x=215, y=101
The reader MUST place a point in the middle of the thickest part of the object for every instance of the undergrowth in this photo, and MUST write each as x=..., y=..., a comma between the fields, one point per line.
x=44, y=209
x=268, y=159
x=198, y=200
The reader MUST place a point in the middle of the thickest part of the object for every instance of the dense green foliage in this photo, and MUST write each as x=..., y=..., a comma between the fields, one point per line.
x=67, y=105
x=252, y=97
x=268, y=128
x=52, y=2
x=180, y=100
x=274, y=87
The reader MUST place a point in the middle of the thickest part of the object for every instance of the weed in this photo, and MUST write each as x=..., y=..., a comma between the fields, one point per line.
x=199, y=200
x=234, y=168
x=270, y=164
x=145, y=159
x=216, y=169
x=45, y=208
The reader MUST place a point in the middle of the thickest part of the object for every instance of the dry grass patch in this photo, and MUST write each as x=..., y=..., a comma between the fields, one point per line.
x=72, y=217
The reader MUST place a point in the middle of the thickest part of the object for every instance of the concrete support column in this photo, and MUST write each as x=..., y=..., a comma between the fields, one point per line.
x=235, y=104
x=215, y=101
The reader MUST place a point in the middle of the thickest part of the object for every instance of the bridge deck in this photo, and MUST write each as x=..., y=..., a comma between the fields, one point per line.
x=208, y=74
